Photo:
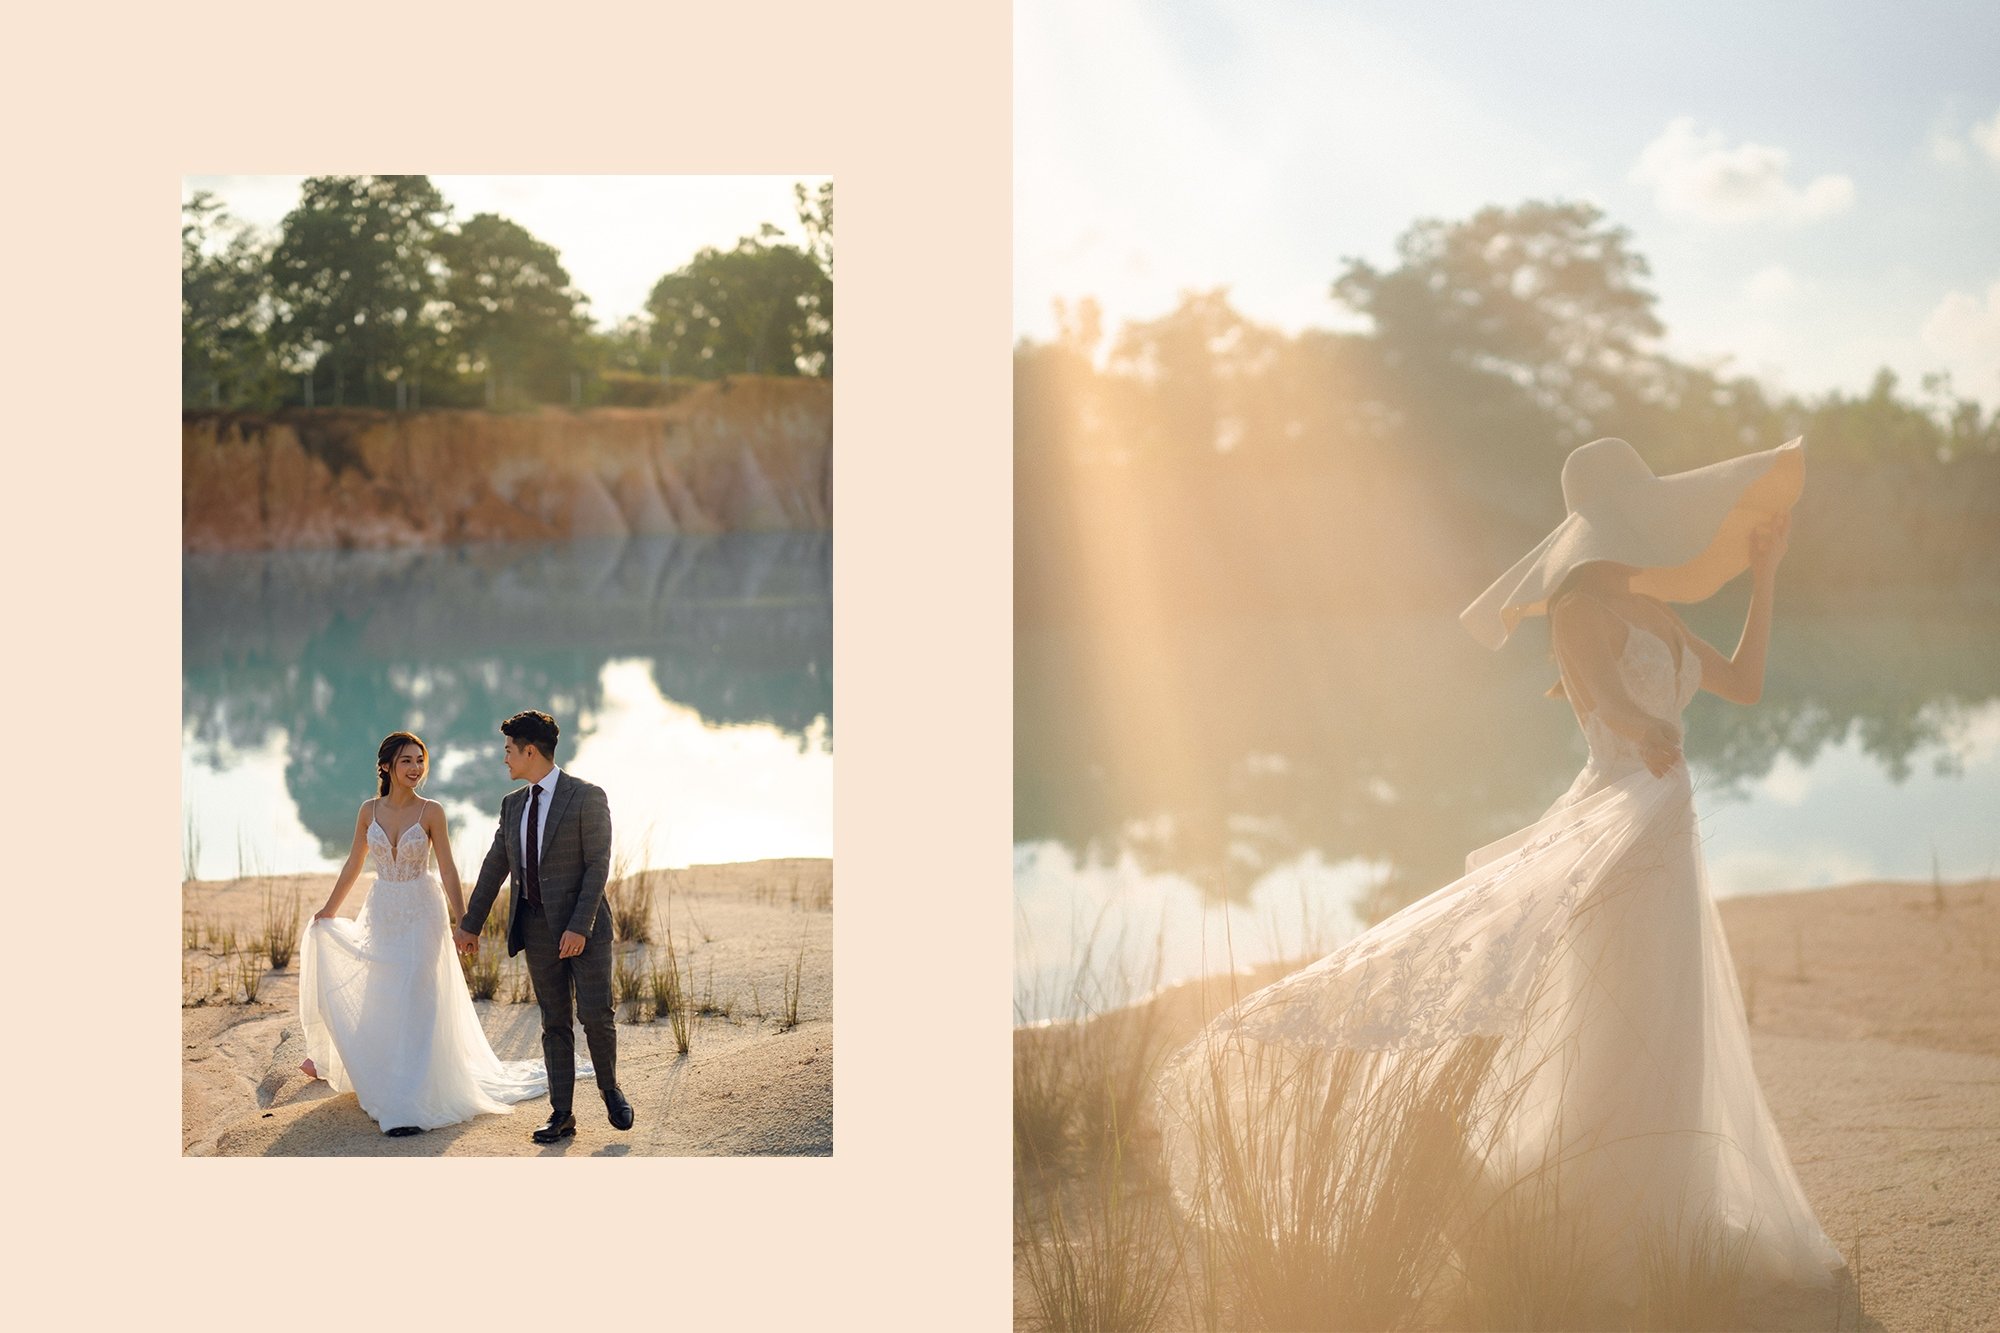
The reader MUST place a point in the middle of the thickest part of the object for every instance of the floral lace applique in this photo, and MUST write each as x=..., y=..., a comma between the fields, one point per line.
x=408, y=858
x=1435, y=985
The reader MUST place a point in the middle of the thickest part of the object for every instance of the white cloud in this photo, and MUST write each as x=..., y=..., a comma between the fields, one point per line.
x=1697, y=175
x=1987, y=136
x=1964, y=333
x=1161, y=148
x=1946, y=148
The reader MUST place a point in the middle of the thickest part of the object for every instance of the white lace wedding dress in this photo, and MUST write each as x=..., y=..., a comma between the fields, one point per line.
x=385, y=1008
x=1582, y=963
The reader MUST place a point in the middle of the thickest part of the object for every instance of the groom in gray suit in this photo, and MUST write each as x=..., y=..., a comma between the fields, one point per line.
x=553, y=846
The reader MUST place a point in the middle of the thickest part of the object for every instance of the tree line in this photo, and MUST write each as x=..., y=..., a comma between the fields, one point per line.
x=372, y=294
x=1499, y=341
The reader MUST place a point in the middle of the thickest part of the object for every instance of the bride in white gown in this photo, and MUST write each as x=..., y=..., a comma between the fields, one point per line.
x=382, y=999
x=1555, y=1040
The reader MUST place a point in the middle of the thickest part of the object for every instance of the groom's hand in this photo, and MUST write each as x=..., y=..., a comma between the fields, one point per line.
x=570, y=946
x=465, y=939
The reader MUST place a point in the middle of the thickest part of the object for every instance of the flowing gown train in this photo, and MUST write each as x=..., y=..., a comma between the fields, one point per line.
x=1559, y=1029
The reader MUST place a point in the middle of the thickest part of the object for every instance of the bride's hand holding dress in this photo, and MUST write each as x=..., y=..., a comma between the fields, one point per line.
x=343, y=883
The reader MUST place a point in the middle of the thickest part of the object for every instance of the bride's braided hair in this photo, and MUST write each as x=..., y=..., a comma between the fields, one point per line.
x=385, y=755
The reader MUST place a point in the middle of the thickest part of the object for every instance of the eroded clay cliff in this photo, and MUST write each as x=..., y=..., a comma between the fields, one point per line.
x=741, y=455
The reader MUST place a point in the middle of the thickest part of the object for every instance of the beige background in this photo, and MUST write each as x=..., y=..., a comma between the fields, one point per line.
x=907, y=107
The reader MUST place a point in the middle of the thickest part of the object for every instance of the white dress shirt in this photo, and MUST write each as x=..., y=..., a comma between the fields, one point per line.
x=548, y=786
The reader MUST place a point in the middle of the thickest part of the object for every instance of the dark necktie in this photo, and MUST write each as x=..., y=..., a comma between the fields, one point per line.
x=531, y=849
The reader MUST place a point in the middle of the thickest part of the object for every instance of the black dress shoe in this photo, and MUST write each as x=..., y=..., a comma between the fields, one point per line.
x=620, y=1110
x=561, y=1124
x=404, y=1131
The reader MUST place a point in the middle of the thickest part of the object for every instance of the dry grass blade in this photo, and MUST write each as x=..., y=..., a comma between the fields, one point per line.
x=482, y=969
x=1328, y=1178
x=280, y=928
x=190, y=847
x=632, y=907
x=670, y=998
x=1047, y=1098
x=1524, y=1264
x=1693, y=1276
x=688, y=906
x=1090, y=1069
x=628, y=986
x=498, y=921
x=709, y=1006
x=1106, y=1257
x=249, y=975
x=1097, y=1239
x=795, y=980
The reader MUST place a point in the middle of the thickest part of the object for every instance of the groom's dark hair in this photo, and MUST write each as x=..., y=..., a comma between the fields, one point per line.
x=532, y=727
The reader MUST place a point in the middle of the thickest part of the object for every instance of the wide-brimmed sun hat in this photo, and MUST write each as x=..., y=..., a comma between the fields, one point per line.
x=1687, y=534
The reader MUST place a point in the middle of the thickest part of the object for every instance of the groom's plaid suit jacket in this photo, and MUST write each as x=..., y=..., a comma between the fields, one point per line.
x=575, y=862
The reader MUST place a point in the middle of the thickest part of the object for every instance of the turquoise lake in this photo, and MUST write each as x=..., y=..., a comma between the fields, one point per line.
x=1244, y=789
x=691, y=676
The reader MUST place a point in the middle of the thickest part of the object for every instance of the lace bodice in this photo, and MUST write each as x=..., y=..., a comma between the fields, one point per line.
x=409, y=858
x=1646, y=666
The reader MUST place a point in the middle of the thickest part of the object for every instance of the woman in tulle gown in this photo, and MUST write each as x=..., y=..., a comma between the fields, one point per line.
x=382, y=999
x=1540, y=1072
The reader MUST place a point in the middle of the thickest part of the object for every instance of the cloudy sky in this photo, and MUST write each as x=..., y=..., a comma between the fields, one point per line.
x=617, y=234
x=1817, y=187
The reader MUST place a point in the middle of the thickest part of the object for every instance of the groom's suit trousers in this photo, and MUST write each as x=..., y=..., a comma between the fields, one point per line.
x=586, y=978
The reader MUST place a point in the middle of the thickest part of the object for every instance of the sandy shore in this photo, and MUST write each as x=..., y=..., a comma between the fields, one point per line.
x=1875, y=1027
x=751, y=1083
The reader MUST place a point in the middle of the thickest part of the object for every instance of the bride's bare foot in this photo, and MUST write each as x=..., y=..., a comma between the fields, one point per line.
x=310, y=1071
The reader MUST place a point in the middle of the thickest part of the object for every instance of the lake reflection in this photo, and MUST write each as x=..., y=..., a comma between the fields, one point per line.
x=1256, y=788
x=691, y=676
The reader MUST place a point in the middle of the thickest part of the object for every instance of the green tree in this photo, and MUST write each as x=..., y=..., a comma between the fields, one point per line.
x=1882, y=427
x=1059, y=415
x=512, y=315
x=816, y=220
x=760, y=307
x=815, y=210
x=1540, y=307
x=1206, y=370
x=226, y=355
x=359, y=282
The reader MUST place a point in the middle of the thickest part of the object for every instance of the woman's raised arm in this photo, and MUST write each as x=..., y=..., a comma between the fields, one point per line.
x=1739, y=677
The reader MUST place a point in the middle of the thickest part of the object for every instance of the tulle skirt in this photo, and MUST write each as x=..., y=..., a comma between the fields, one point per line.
x=1550, y=1051
x=387, y=1015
